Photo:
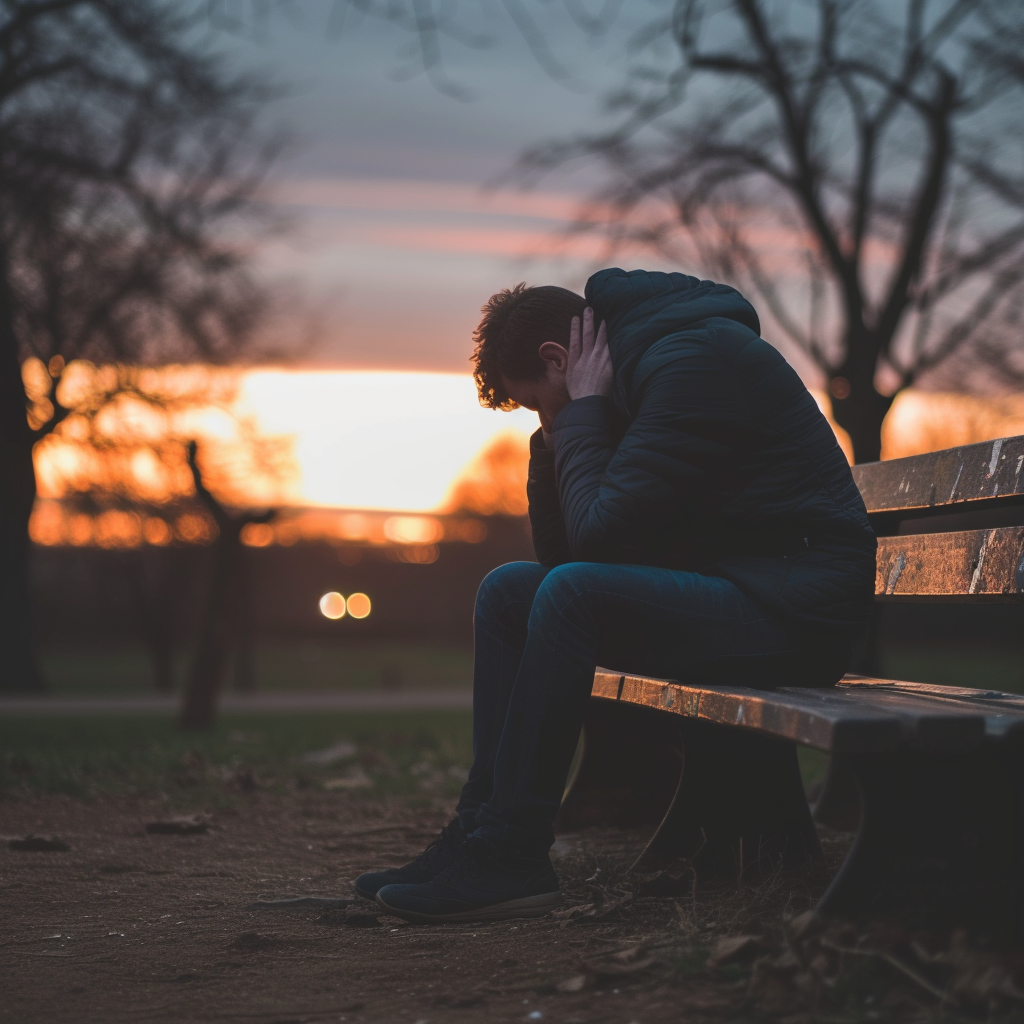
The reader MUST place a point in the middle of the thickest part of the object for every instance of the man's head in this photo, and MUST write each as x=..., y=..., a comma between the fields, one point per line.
x=521, y=351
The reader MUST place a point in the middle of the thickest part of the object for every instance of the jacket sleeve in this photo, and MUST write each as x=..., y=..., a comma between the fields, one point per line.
x=549, y=541
x=681, y=436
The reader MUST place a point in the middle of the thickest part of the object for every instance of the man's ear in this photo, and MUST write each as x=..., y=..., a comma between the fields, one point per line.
x=555, y=355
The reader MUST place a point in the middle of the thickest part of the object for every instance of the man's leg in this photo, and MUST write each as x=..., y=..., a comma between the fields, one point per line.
x=500, y=621
x=650, y=620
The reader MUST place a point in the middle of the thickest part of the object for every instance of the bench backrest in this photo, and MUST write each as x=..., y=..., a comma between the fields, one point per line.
x=951, y=528
x=916, y=505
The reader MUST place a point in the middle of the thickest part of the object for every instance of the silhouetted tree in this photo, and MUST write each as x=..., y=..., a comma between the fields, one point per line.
x=855, y=165
x=226, y=623
x=126, y=161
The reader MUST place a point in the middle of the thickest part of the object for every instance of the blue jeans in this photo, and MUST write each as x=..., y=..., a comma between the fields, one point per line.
x=539, y=636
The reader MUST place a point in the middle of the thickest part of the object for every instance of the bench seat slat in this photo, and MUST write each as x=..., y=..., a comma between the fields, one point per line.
x=995, y=698
x=821, y=719
x=969, y=475
x=1004, y=712
x=970, y=565
x=927, y=723
x=860, y=715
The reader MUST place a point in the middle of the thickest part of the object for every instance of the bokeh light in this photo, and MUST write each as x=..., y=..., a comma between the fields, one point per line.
x=257, y=535
x=420, y=554
x=412, y=530
x=332, y=605
x=156, y=531
x=358, y=606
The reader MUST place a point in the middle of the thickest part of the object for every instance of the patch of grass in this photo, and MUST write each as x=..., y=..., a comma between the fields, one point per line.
x=109, y=670
x=398, y=753
x=950, y=665
x=813, y=766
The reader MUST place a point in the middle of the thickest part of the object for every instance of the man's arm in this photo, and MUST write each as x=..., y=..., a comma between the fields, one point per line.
x=549, y=541
x=613, y=492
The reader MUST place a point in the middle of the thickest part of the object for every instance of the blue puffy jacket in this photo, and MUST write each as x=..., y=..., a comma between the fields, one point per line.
x=710, y=456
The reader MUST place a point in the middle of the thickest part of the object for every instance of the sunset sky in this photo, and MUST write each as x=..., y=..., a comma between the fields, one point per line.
x=398, y=233
x=396, y=241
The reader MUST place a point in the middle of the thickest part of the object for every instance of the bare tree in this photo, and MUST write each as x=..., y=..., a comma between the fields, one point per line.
x=431, y=30
x=226, y=626
x=854, y=165
x=126, y=161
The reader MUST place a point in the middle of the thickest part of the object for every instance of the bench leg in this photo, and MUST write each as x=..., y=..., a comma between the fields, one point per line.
x=940, y=839
x=628, y=769
x=740, y=808
x=838, y=805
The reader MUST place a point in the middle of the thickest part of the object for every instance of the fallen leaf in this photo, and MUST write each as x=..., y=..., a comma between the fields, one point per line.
x=38, y=844
x=574, y=984
x=332, y=755
x=621, y=964
x=732, y=948
x=801, y=925
x=191, y=825
x=355, y=779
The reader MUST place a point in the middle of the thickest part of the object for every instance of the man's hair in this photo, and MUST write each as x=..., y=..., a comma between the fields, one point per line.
x=516, y=322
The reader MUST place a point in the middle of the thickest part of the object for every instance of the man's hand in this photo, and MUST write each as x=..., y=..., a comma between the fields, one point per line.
x=590, y=364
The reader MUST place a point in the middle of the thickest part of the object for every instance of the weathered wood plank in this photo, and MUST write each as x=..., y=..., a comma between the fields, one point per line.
x=818, y=718
x=934, y=690
x=814, y=719
x=926, y=723
x=861, y=715
x=969, y=565
x=606, y=684
x=1003, y=712
x=974, y=473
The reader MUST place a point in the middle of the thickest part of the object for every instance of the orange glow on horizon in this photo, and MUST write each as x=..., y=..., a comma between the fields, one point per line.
x=401, y=461
x=269, y=437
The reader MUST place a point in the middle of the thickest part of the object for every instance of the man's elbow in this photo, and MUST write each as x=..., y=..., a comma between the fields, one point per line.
x=598, y=543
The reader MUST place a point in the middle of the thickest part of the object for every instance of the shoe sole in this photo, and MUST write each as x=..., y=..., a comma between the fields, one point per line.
x=529, y=906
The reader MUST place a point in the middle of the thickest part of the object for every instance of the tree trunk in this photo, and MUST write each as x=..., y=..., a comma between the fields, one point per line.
x=206, y=675
x=856, y=406
x=245, y=653
x=157, y=583
x=19, y=670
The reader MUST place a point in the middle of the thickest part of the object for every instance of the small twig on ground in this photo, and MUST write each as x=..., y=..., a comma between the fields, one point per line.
x=896, y=962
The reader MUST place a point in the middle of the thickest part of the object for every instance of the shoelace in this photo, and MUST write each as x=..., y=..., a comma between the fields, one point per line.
x=443, y=842
x=476, y=854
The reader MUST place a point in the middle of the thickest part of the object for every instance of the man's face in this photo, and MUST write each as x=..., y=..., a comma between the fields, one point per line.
x=547, y=395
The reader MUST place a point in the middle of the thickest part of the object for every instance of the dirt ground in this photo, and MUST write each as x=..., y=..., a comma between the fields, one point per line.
x=130, y=926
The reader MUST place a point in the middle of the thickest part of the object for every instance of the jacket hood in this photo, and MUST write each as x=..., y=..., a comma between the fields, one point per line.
x=643, y=306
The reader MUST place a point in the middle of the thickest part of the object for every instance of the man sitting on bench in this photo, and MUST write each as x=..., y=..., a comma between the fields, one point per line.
x=693, y=518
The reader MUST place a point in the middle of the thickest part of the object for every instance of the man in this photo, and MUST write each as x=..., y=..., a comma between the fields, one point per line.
x=693, y=518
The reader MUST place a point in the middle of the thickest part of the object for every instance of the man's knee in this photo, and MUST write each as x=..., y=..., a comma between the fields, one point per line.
x=512, y=583
x=564, y=590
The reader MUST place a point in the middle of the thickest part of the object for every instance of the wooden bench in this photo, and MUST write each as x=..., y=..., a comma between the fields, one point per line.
x=931, y=778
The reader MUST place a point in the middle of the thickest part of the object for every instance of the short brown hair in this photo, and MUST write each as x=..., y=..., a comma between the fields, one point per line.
x=516, y=322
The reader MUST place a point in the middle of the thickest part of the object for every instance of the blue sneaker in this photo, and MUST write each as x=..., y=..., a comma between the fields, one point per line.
x=483, y=884
x=442, y=852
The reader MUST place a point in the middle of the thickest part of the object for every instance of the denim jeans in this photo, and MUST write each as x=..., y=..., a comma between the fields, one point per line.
x=539, y=636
